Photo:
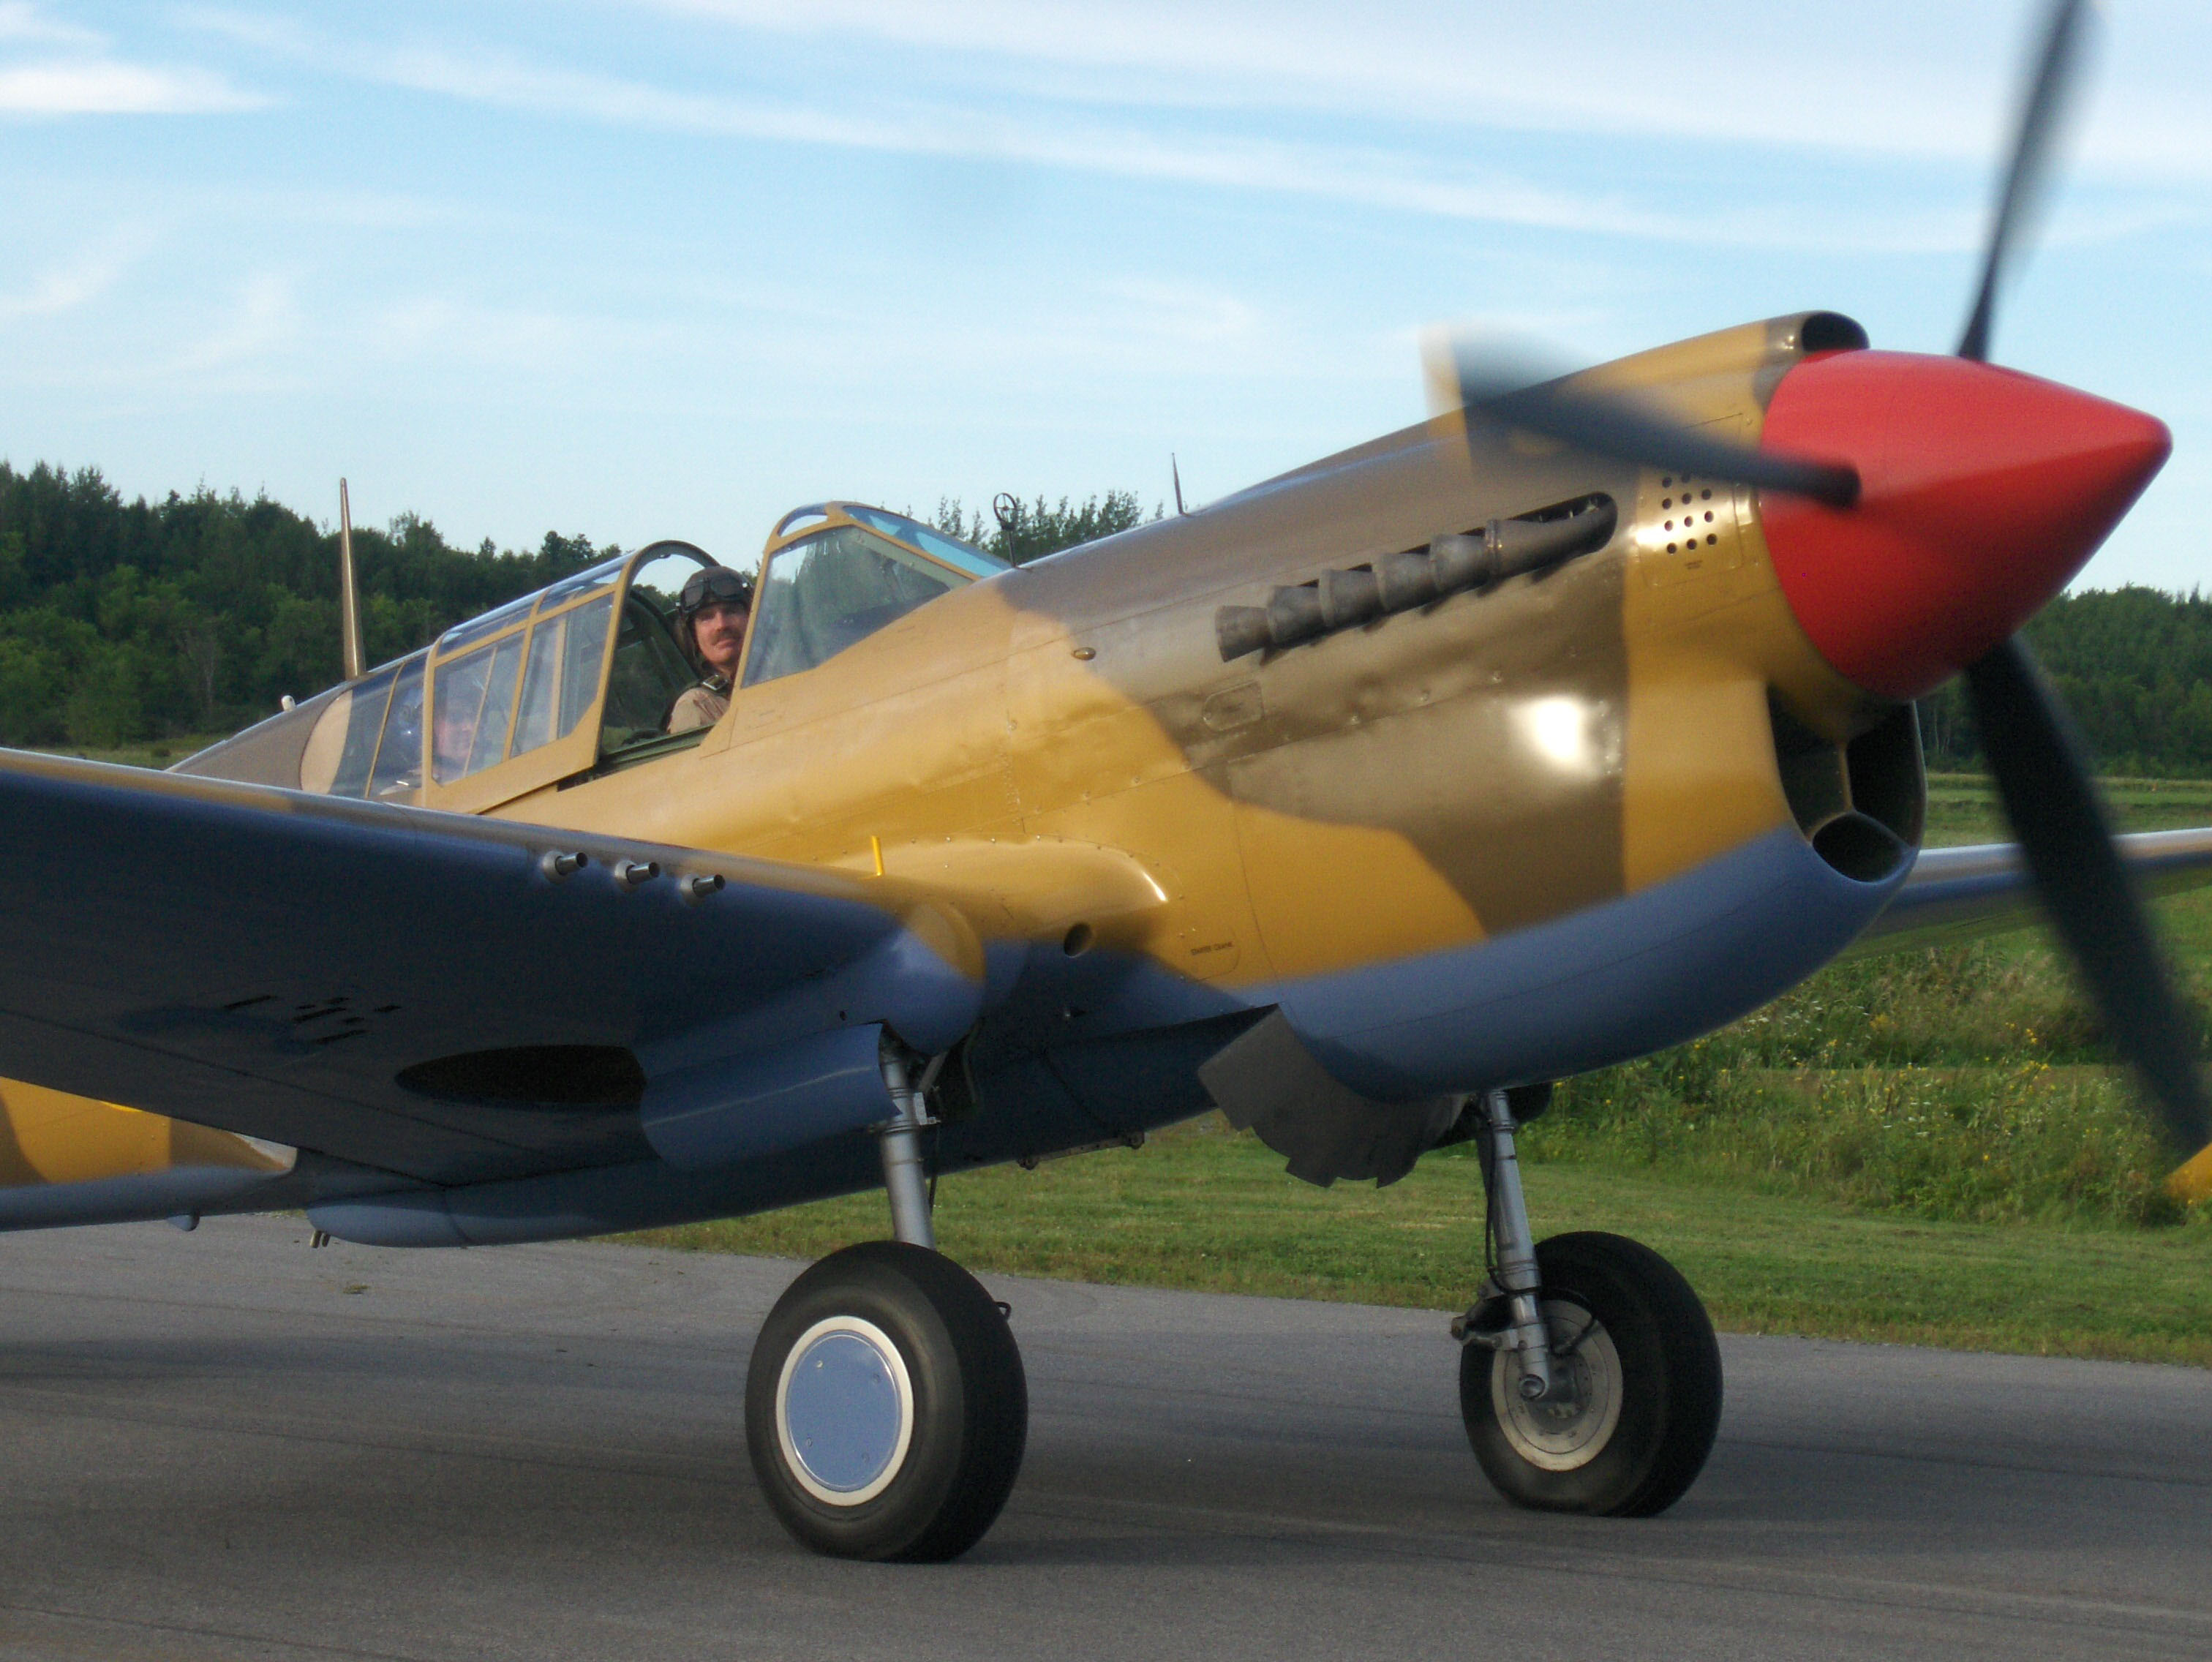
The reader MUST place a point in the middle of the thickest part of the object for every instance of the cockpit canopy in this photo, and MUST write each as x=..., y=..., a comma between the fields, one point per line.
x=837, y=572
x=581, y=675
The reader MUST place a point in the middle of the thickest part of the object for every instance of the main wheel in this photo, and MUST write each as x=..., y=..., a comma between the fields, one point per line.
x=1636, y=1399
x=885, y=1407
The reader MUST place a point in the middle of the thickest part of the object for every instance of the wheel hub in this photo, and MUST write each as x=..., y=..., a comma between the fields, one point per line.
x=1570, y=1425
x=845, y=1410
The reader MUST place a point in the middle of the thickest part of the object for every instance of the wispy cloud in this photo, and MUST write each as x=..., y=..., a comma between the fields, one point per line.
x=1608, y=70
x=265, y=31
x=1369, y=175
x=69, y=70
x=1187, y=313
x=21, y=20
x=66, y=287
x=1053, y=85
x=105, y=86
x=508, y=336
x=264, y=320
x=1903, y=81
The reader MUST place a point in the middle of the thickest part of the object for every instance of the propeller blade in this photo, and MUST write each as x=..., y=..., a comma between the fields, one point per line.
x=1621, y=425
x=2041, y=115
x=2061, y=824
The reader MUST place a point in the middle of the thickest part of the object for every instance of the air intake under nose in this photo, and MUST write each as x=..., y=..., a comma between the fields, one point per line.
x=1983, y=491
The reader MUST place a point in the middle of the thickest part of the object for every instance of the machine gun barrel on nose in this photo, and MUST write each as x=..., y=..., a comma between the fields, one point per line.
x=1412, y=578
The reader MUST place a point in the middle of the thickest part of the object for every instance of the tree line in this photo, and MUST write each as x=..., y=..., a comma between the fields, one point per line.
x=131, y=620
x=2134, y=667
x=1018, y=532
x=122, y=621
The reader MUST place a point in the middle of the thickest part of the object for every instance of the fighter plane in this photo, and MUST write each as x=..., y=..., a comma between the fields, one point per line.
x=1362, y=805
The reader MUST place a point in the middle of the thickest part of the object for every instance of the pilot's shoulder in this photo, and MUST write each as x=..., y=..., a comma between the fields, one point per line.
x=699, y=706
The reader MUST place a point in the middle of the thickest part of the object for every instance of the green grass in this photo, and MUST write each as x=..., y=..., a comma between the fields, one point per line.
x=1204, y=1207
x=1962, y=808
x=1968, y=1084
x=1928, y=1148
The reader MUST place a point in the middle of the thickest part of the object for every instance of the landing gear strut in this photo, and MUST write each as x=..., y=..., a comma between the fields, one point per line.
x=1509, y=1320
x=1588, y=1378
x=885, y=1407
x=905, y=1175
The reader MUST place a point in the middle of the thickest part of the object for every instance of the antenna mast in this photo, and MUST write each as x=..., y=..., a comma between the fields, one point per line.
x=349, y=592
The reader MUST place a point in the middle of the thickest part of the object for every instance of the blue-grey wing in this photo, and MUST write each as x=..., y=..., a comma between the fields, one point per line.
x=422, y=994
x=1956, y=894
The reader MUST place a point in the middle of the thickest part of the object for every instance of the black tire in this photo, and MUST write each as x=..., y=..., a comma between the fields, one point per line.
x=877, y=1337
x=1645, y=1378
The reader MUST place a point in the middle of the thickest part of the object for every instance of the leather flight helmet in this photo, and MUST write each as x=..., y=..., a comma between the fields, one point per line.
x=715, y=585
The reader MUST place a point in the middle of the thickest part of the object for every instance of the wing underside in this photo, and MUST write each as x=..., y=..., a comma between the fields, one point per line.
x=416, y=995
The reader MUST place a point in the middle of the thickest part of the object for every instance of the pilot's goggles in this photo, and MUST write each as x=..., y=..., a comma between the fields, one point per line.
x=720, y=587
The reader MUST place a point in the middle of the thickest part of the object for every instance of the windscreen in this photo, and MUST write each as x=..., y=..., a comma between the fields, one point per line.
x=824, y=593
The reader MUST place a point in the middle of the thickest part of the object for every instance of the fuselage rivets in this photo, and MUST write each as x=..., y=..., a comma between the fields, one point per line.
x=558, y=864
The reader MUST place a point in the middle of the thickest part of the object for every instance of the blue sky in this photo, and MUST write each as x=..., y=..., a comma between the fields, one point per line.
x=669, y=268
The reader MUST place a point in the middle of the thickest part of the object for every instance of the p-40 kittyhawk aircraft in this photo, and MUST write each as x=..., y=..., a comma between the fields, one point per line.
x=1566, y=726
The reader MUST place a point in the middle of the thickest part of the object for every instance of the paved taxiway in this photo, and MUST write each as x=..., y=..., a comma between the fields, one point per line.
x=224, y=1445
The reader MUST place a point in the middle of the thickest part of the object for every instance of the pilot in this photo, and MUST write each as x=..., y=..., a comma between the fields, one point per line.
x=711, y=614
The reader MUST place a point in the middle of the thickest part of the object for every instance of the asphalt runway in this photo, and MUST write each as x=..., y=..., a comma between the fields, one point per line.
x=225, y=1445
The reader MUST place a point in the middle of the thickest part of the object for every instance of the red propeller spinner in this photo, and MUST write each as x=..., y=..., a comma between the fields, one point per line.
x=1982, y=491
